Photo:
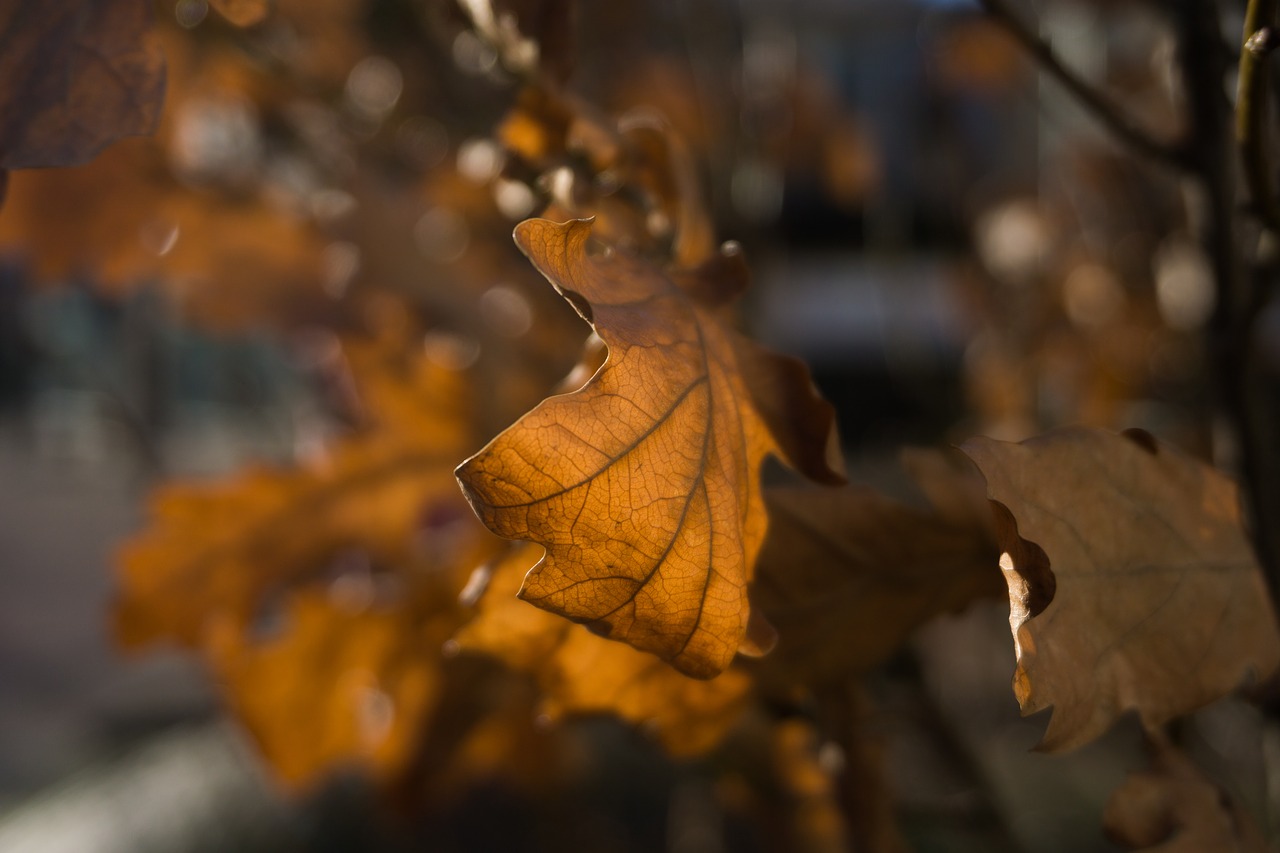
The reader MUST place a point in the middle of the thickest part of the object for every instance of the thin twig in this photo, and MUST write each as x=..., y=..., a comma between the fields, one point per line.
x=1251, y=110
x=1169, y=153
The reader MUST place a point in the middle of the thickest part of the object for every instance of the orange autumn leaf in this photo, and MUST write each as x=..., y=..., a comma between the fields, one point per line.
x=581, y=673
x=643, y=485
x=846, y=574
x=341, y=686
x=1132, y=584
x=213, y=551
x=1174, y=808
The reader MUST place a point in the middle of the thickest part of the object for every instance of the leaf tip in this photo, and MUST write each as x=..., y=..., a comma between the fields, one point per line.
x=529, y=232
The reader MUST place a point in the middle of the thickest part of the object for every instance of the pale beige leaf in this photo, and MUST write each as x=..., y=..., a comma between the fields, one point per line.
x=1132, y=584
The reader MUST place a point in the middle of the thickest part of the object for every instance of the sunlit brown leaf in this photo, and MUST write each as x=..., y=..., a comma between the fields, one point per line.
x=214, y=551
x=341, y=687
x=1131, y=582
x=845, y=575
x=1173, y=808
x=644, y=484
x=581, y=673
x=75, y=77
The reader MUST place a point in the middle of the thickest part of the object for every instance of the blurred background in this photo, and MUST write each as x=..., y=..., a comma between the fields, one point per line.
x=952, y=244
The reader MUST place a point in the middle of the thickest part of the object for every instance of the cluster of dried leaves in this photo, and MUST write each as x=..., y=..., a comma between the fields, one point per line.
x=347, y=603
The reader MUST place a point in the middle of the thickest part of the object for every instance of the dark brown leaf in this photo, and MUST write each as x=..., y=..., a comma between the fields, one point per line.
x=74, y=77
x=846, y=574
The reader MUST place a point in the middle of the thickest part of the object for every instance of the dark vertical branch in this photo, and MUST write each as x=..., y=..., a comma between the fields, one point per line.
x=1247, y=384
x=1245, y=393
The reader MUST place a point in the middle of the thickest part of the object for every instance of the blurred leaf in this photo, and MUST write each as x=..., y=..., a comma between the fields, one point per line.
x=214, y=552
x=581, y=673
x=643, y=485
x=229, y=262
x=643, y=188
x=340, y=686
x=75, y=77
x=1131, y=582
x=846, y=574
x=1173, y=808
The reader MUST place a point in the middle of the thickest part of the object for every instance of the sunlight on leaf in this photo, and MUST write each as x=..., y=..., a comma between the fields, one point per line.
x=581, y=673
x=644, y=484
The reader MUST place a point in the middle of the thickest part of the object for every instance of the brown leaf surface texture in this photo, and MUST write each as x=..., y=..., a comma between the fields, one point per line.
x=643, y=485
x=1173, y=808
x=581, y=673
x=75, y=77
x=1132, y=585
x=846, y=574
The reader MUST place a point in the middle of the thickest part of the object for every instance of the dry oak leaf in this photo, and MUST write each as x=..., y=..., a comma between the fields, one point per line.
x=1132, y=585
x=214, y=551
x=846, y=574
x=75, y=77
x=1173, y=808
x=643, y=485
x=341, y=686
x=580, y=673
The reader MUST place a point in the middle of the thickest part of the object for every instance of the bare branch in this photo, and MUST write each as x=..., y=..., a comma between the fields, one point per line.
x=1170, y=153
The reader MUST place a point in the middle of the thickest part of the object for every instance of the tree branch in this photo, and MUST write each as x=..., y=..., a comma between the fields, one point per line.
x=1251, y=110
x=1169, y=153
x=1245, y=386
